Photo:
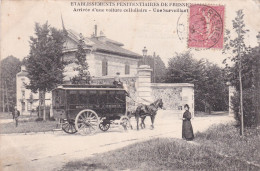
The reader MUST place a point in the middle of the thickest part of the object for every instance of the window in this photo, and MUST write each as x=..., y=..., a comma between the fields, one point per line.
x=23, y=106
x=29, y=106
x=83, y=97
x=72, y=97
x=102, y=97
x=23, y=94
x=93, y=97
x=127, y=69
x=104, y=68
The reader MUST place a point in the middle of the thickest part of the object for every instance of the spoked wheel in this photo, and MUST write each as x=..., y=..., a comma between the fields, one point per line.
x=104, y=125
x=125, y=122
x=68, y=126
x=87, y=122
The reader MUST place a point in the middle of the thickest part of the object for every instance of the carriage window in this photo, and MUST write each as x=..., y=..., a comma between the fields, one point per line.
x=93, y=97
x=72, y=99
x=102, y=97
x=58, y=99
x=102, y=92
x=120, y=92
x=111, y=97
x=83, y=97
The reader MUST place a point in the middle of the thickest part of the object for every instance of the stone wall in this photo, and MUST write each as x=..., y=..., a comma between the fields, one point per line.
x=174, y=95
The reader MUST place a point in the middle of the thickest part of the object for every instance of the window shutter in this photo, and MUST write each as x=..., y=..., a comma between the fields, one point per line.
x=127, y=69
x=104, y=68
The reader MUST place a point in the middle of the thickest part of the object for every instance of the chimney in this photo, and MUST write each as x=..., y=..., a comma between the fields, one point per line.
x=23, y=68
x=95, y=30
x=101, y=34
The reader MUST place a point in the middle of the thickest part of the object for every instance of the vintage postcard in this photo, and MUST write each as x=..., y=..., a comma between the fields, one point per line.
x=129, y=85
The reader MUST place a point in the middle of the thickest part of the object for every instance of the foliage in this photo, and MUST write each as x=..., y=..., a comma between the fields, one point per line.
x=157, y=65
x=249, y=109
x=208, y=79
x=44, y=63
x=225, y=139
x=10, y=66
x=83, y=76
x=173, y=154
x=247, y=63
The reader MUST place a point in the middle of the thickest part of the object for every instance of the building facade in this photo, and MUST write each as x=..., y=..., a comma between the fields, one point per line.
x=106, y=59
x=26, y=100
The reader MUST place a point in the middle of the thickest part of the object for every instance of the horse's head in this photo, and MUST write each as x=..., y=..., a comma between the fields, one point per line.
x=159, y=103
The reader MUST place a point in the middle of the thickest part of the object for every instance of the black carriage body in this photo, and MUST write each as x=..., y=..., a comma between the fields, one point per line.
x=106, y=100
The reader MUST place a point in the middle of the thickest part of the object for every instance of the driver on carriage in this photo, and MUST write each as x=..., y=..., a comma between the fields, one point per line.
x=117, y=82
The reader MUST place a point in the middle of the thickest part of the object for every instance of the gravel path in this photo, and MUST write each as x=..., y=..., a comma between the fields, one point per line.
x=49, y=151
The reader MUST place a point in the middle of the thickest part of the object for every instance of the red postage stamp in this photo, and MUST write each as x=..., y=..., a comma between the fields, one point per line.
x=206, y=26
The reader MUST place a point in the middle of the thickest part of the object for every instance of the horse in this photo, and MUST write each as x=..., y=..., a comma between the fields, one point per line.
x=147, y=110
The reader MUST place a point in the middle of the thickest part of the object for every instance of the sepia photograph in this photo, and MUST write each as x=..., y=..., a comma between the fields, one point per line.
x=129, y=85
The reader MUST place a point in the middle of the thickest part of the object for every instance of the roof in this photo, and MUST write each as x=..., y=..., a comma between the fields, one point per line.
x=103, y=45
x=76, y=37
x=107, y=46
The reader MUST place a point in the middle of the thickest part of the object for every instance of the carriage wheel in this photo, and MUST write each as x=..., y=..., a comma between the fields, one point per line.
x=68, y=126
x=125, y=122
x=104, y=126
x=87, y=122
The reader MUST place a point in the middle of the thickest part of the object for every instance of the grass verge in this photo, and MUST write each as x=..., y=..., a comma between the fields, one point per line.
x=28, y=126
x=173, y=154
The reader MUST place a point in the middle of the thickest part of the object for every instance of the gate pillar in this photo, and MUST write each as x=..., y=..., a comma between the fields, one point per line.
x=231, y=90
x=144, y=90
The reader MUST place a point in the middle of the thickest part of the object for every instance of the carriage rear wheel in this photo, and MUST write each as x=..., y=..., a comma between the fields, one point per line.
x=68, y=126
x=87, y=122
x=125, y=122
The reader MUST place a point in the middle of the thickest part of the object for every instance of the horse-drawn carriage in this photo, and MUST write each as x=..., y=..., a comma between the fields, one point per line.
x=85, y=108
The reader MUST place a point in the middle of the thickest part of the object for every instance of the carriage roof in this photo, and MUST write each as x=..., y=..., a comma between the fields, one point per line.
x=90, y=87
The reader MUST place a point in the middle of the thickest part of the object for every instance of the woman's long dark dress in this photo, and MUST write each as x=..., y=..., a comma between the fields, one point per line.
x=187, y=131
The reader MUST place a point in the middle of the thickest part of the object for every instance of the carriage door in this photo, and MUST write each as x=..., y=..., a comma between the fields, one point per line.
x=120, y=98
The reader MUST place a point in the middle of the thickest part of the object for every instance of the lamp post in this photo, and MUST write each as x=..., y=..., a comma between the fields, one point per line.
x=257, y=82
x=144, y=54
x=154, y=67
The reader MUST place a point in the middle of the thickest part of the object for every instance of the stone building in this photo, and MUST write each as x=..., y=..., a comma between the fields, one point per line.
x=26, y=101
x=106, y=59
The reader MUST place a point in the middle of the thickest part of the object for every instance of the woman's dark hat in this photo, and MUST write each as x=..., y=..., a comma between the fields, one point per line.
x=186, y=105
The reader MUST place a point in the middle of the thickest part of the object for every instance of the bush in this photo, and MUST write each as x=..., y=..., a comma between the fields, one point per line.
x=52, y=119
x=47, y=108
x=249, y=107
x=39, y=119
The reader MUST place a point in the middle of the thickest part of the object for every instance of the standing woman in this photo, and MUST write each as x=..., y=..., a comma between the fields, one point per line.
x=187, y=131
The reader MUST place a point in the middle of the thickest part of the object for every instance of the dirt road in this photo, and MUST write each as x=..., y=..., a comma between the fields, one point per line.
x=49, y=151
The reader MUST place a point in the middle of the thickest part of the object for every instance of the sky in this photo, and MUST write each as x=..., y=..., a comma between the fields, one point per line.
x=157, y=31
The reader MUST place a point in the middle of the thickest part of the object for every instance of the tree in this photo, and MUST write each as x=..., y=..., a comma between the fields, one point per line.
x=238, y=50
x=83, y=76
x=44, y=63
x=210, y=91
x=157, y=65
x=10, y=66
